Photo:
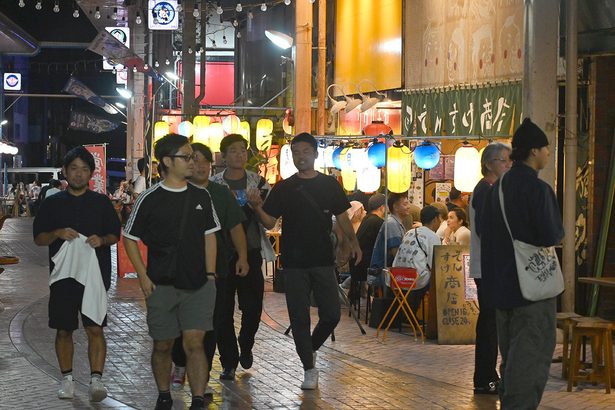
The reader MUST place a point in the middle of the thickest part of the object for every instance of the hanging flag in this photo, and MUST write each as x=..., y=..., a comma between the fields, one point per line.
x=98, y=182
x=82, y=121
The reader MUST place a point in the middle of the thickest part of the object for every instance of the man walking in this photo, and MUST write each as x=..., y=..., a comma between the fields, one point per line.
x=526, y=330
x=177, y=222
x=79, y=226
x=306, y=202
x=495, y=162
x=249, y=288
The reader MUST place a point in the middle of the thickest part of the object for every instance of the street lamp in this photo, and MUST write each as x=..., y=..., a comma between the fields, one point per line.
x=281, y=40
x=4, y=122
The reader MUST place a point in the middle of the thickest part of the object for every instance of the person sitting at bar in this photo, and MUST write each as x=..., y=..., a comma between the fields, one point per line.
x=457, y=232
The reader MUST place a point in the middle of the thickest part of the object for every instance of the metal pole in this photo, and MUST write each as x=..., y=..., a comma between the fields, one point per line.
x=570, y=159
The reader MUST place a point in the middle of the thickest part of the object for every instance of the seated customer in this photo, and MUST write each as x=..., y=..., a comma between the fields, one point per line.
x=457, y=232
x=416, y=251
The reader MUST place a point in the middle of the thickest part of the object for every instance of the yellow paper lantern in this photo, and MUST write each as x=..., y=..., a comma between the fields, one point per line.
x=161, y=129
x=467, y=168
x=201, y=123
x=287, y=166
x=215, y=133
x=244, y=131
x=264, y=128
x=368, y=179
x=231, y=124
x=185, y=128
x=349, y=178
x=399, y=168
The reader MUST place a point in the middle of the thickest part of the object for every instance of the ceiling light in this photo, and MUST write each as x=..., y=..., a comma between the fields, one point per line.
x=281, y=40
x=124, y=92
x=368, y=102
x=337, y=105
x=120, y=105
x=352, y=103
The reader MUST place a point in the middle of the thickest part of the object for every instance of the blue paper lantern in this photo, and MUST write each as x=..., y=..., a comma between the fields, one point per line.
x=376, y=154
x=426, y=155
x=336, y=157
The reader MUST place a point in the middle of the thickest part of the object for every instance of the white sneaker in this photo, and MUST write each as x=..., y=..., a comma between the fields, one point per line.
x=98, y=391
x=178, y=378
x=67, y=388
x=310, y=380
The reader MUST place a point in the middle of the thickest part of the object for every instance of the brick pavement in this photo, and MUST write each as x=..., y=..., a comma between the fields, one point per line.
x=356, y=371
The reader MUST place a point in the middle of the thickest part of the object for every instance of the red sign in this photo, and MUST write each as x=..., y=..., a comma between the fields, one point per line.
x=98, y=182
x=219, y=83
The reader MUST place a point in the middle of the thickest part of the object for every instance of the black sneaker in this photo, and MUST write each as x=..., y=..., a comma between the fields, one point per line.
x=228, y=374
x=491, y=388
x=162, y=404
x=246, y=360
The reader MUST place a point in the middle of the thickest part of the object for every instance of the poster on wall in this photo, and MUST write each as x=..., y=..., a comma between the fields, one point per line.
x=98, y=182
x=443, y=189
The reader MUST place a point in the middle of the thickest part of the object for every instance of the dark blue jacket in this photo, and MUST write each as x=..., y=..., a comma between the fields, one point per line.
x=534, y=217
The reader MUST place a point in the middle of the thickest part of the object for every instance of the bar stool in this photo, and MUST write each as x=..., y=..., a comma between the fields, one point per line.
x=564, y=322
x=600, y=333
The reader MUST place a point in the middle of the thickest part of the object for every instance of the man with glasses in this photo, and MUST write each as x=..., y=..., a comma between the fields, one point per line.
x=177, y=222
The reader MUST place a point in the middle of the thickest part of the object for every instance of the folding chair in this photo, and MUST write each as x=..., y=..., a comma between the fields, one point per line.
x=403, y=280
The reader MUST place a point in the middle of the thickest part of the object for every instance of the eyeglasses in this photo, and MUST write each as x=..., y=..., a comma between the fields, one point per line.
x=186, y=157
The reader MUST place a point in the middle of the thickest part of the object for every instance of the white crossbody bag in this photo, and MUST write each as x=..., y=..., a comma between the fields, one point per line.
x=538, y=269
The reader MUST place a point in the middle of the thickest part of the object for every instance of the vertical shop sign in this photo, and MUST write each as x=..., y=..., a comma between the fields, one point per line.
x=98, y=182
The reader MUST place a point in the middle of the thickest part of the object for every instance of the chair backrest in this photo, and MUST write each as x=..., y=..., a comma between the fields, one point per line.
x=405, y=277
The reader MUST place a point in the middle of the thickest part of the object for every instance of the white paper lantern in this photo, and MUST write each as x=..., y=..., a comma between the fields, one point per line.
x=185, y=128
x=357, y=158
x=287, y=166
x=231, y=124
x=368, y=179
x=467, y=168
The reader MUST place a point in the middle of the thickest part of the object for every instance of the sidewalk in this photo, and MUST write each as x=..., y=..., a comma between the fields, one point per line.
x=355, y=371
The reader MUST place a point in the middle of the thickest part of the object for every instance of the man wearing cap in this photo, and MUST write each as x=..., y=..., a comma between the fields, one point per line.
x=526, y=330
x=306, y=202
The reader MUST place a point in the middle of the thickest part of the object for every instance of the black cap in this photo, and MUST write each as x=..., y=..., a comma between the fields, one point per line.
x=527, y=136
x=305, y=137
x=428, y=214
x=375, y=201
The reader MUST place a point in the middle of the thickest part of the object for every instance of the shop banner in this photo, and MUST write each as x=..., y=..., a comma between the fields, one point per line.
x=83, y=121
x=488, y=111
x=98, y=182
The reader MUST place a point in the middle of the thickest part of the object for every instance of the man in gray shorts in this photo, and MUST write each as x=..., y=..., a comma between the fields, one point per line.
x=177, y=222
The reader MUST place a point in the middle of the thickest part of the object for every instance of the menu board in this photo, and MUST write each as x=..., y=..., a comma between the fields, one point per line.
x=453, y=305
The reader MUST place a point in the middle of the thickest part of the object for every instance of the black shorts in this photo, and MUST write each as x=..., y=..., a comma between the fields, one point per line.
x=65, y=305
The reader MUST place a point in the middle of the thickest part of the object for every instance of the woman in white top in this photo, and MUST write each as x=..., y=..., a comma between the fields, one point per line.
x=457, y=232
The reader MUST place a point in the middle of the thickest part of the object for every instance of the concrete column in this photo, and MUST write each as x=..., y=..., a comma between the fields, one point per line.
x=303, y=66
x=540, y=73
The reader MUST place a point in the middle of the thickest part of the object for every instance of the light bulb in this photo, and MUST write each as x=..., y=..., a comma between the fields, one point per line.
x=235, y=23
x=239, y=34
x=97, y=13
x=114, y=15
x=189, y=50
x=38, y=5
x=250, y=15
x=138, y=19
x=179, y=6
x=114, y=71
x=287, y=2
x=213, y=43
x=156, y=64
x=22, y=3
x=238, y=9
x=195, y=12
x=134, y=69
x=167, y=62
x=76, y=13
x=219, y=9
x=56, y=8
x=224, y=40
x=312, y=1
x=146, y=67
x=263, y=7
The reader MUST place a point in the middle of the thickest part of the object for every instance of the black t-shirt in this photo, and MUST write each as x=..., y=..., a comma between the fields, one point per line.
x=156, y=219
x=305, y=230
x=366, y=234
x=89, y=214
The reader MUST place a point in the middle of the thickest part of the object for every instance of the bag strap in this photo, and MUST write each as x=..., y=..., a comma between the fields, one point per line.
x=312, y=202
x=416, y=234
x=501, y=195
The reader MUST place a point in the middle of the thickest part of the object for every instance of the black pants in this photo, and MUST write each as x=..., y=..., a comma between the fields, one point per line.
x=486, y=348
x=249, y=290
x=300, y=283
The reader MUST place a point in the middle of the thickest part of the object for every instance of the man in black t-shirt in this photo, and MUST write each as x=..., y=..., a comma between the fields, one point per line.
x=306, y=202
x=177, y=222
x=71, y=223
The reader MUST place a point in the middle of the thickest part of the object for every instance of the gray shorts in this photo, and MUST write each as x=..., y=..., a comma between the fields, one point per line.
x=171, y=310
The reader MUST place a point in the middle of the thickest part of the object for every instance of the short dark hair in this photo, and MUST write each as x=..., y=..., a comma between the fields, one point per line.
x=203, y=149
x=231, y=139
x=54, y=183
x=141, y=164
x=461, y=214
x=167, y=146
x=394, y=198
x=305, y=137
x=428, y=214
x=454, y=194
x=83, y=154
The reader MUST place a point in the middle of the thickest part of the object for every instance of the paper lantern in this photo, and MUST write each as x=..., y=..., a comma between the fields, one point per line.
x=200, y=123
x=244, y=131
x=399, y=168
x=215, y=132
x=357, y=158
x=231, y=124
x=161, y=129
x=426, y=155
x=376, y=154
x=345, y=158
x=377, y=128
x=287, y=166
x=368, y=179
x=335, y=158
x=264, y=128
x=328, y=156
x=185, y=128
x=349, y=179
x=467, y=168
